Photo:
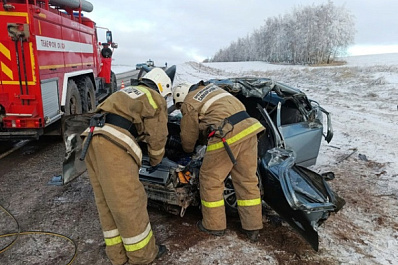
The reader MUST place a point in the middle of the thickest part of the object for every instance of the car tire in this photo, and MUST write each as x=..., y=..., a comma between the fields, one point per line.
x=229, y=194
x=231, y=207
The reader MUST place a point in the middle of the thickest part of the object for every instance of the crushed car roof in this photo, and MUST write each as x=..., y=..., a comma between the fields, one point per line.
x=254, y=87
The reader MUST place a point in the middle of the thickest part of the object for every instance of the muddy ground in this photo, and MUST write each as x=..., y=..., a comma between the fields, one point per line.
x=70, y=211
x=362, y=155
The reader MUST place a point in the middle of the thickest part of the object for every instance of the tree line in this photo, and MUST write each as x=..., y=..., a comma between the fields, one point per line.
x=309, y=35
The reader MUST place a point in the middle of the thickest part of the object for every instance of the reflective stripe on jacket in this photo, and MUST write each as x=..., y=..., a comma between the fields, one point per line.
x=122, y=139
x=237, y=137
x=210, y=105
x=147, y=110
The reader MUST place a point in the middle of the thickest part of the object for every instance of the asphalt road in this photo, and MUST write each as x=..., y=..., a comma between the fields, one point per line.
x=70, y=212
x=125, y=77
x=6, y=147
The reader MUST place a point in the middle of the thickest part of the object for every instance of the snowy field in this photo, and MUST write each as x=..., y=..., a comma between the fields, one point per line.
x=362, y=97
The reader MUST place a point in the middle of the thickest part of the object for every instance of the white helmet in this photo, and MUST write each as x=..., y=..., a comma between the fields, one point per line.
x=180, y=92
x=161, y=79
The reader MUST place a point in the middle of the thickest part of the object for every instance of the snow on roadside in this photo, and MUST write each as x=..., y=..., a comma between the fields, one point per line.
x=117, y=69
x=362, y=97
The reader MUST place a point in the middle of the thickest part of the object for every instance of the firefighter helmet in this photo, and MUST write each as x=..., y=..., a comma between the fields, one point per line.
x=161, y=79
x=180, y=92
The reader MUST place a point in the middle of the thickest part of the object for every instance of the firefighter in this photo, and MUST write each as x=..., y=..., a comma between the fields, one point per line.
x=136, y=113
x=210, y=111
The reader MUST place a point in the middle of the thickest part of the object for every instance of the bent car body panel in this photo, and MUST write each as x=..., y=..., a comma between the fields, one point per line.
x=294, y=128
x=300, y=196
x=294, y=132
x=304, y=140
x=295, y=119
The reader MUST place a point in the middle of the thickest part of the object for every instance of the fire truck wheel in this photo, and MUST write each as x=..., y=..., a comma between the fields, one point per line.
x=86, y=88
x=73, y=104
x=113, y=83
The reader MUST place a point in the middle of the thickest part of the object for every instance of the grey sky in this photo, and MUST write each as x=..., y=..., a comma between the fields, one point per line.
x=176, y=31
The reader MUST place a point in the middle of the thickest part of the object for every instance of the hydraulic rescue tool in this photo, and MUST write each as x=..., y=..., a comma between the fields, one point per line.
x=98, y=120
x=219, y=133
x=226, y=127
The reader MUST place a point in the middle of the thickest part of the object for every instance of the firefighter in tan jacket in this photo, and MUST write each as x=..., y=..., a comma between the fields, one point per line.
x=213, y=112
x=113, y=160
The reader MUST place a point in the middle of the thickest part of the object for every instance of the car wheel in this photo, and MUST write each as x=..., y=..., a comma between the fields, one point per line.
x=230, y=202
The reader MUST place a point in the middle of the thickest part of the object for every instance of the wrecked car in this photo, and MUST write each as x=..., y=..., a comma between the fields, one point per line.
x=291, y=142
x=295, y=126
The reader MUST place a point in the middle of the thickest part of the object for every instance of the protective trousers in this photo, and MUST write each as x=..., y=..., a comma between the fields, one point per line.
x=122, y=203
x=215, y=168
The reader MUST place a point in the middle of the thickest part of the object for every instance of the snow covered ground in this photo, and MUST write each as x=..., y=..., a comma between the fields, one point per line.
x=362, y=97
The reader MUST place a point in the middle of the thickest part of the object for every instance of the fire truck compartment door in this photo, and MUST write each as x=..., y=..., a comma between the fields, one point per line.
x=51, y=105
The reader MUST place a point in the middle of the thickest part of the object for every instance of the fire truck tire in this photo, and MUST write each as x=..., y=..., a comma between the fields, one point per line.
x=114, y=87
x=73, y=104
x=86, y=88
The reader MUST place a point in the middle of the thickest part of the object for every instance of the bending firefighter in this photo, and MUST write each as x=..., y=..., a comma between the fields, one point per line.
x=210, y=111
x=136, y=113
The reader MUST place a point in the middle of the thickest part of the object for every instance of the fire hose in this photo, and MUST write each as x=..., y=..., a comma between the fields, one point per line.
x=18, y=233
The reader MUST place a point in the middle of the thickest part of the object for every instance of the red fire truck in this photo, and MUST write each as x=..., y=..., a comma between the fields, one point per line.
x=51, y=65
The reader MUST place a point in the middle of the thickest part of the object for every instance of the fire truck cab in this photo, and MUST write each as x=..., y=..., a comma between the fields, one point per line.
x=51, y=65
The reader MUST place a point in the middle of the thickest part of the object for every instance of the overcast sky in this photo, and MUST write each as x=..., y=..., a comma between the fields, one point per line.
x=177, y=31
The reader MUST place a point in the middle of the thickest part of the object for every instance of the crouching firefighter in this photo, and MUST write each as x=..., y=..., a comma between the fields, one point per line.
x=113, y=158
x=231, y=149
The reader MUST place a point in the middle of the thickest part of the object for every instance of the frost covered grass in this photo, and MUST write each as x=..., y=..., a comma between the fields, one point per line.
x=362, y=97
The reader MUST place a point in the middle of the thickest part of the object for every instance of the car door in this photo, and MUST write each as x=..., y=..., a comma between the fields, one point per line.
x=304, y=137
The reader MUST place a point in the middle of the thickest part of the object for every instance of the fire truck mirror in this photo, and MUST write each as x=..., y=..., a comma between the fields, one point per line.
x=114, y=45
x=109, y=36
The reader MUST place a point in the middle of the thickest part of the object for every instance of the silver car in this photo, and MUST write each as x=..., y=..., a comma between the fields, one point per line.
x=294, y=130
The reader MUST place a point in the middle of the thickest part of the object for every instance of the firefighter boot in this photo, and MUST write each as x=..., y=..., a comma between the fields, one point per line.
x=211, y=232
x=252, y=235
x=162, y=250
